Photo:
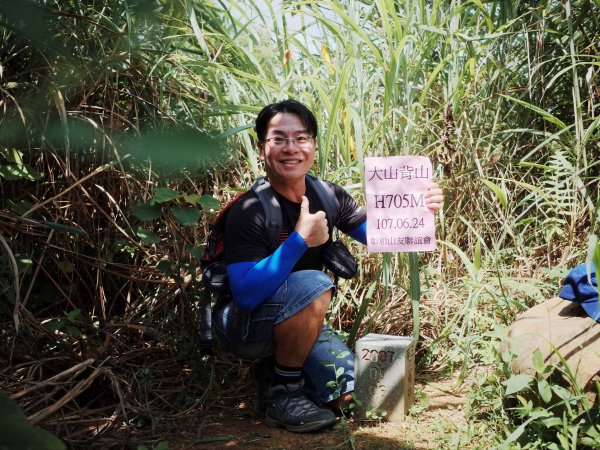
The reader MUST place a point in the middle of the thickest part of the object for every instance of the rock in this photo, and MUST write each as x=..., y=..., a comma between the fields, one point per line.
x=566, y=327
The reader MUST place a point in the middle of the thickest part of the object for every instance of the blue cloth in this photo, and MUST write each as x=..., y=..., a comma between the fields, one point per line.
x=360, y=233
x=249, y=334
x=252, y=282
x=579, y=289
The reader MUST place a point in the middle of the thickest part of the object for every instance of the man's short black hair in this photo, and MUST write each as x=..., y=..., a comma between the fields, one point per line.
x=285, y=106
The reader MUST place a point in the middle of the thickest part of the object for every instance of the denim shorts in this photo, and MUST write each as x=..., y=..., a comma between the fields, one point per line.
x=249, y=335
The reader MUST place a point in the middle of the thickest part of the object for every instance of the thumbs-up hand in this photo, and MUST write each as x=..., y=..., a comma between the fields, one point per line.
x=312, y=227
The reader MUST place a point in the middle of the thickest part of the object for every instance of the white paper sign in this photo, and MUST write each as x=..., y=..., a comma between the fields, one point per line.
x=397, y=218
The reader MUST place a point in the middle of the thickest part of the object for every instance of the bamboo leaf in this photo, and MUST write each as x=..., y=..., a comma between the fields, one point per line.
x=593, y=254
x=477, y=257
x=500, y=193
x=415, y=290
x=545, y=114
x=233, y=131
x=65, y=228
x=464, y=258
x=195, y=27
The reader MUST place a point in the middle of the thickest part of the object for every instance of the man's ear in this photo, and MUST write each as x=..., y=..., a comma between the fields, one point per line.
x=261, y=151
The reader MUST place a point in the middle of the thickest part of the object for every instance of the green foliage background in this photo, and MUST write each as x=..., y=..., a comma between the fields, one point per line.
x=124, y=124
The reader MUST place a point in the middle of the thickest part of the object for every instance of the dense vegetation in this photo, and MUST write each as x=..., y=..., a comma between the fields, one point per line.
x=124, y=125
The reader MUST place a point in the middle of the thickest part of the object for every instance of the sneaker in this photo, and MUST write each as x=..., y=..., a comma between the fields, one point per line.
x=263, y=376
x=290, y=408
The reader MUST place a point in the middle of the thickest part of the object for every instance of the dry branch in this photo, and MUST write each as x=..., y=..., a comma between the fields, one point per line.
x=65, y=373
x=69, y=396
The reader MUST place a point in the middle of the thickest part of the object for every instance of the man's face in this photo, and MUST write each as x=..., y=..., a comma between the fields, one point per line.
x=287, y=161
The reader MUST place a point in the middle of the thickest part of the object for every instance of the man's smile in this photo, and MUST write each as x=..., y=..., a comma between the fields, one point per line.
x=290, y=161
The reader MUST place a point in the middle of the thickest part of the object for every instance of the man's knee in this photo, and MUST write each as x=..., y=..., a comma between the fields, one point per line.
x=320, y=305
x=313, y=289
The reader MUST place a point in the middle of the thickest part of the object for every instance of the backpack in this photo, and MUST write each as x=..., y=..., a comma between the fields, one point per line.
x=214, y=273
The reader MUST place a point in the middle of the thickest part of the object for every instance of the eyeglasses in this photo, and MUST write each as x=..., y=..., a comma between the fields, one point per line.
x=300, y=141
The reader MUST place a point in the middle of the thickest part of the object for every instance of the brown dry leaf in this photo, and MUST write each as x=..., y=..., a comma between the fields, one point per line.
x=287, y=55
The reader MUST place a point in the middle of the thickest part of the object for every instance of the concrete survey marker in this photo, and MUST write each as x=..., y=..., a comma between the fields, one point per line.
x=385, y=375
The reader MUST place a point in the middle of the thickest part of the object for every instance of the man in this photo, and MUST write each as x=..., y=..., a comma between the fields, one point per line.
x=281, y=296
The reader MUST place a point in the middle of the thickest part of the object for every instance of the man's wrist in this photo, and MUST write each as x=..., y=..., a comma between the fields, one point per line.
x=296, y=240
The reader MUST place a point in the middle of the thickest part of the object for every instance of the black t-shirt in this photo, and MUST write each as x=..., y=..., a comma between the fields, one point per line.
x=246, y=239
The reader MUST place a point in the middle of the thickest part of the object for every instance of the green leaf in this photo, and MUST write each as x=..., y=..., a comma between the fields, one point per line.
x=477, y=256
x=342, y=354
x=20, y=207
x=192, y=199
x=233, y=131
x=544, y=390
x=163, y=445
x=147, y=236
x=186, y=215
x=19, y=171
x=74, y=315
x=65, y=228
x=564, y=442
x=165, y=267
x=162, y=195
x=146, y=211
x=552, y=422
x=538, y=361
x=562, y=392
x=546, y=115
x=15, y=156
x=23, y=262
x=339, y=372
x=593, y=253
x=54, y=325
x=517, y=383
x=195, y=252
x=500, y=193
x=73, y=331
x=17, y=432
x=209, y=202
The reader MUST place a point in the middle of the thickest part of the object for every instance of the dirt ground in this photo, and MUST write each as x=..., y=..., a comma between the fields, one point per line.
x=238, y=425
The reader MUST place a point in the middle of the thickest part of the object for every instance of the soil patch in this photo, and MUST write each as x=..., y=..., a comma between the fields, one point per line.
x=439, y=407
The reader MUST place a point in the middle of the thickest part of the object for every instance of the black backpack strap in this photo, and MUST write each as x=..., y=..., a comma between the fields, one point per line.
x=272, y=209
x=328, y=199
x=332, y=209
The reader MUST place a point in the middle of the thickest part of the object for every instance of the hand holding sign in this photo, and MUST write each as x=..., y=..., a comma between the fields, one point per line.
x=434, y=199
x=401, y=199
x=312, y=227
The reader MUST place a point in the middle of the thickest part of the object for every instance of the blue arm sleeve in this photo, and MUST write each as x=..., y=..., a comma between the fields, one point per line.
x=252, y=282
x=360, y=233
